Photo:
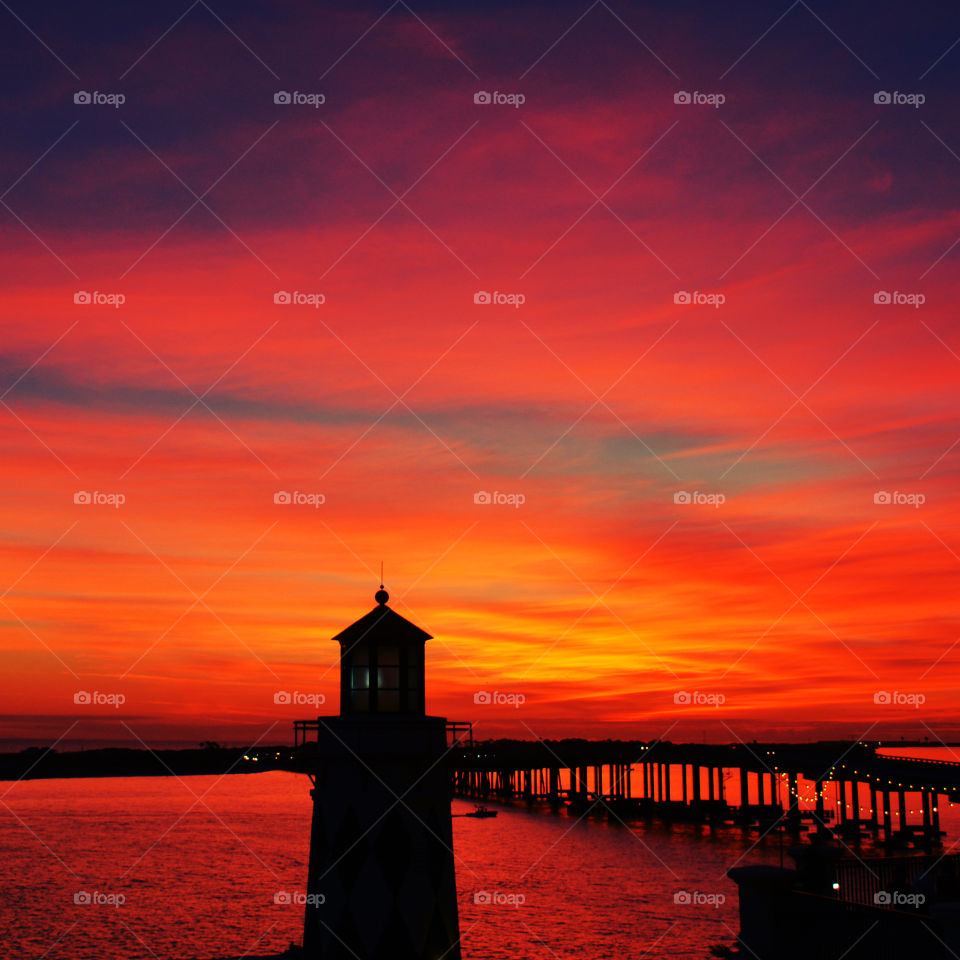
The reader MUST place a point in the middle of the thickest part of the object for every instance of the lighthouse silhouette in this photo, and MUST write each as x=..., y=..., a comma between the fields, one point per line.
x=381, y=882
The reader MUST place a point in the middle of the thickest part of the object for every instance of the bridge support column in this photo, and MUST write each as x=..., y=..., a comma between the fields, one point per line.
x=793, y=796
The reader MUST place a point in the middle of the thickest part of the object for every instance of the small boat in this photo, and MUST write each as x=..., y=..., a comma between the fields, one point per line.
x=481, y=813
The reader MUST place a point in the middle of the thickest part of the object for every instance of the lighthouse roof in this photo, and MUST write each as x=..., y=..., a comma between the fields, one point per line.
x=382, y=626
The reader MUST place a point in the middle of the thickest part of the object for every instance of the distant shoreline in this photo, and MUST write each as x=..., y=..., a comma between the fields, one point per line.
x=40, y=764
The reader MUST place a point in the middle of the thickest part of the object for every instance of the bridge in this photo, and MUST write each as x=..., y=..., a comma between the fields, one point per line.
x=686, y=781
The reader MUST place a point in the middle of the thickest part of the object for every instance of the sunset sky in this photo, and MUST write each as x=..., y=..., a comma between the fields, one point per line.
x=789, y=403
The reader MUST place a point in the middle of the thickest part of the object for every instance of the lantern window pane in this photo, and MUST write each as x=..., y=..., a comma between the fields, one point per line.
x=360, y=701
x=388, y=700
x=388, y=656
x=388, y=678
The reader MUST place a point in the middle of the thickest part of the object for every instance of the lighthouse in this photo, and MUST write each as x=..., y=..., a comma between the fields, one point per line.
x=381, y=882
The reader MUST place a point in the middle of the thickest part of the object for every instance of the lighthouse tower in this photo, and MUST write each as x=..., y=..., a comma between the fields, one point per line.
x=381, y=875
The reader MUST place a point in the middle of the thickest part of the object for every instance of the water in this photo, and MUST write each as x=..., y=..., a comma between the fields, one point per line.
x=199, y=861
x=199, y=876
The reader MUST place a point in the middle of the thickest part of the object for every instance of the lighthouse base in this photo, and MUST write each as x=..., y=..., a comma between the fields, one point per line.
x=381, y=882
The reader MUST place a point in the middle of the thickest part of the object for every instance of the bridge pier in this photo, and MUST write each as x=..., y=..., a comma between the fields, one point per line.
x=793, y=794
x=582, y=774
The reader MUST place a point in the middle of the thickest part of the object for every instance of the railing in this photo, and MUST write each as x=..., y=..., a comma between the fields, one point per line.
x=812, y=927
x=459, y=733
x=939, y=763
x=874, y=881
x=301, y=728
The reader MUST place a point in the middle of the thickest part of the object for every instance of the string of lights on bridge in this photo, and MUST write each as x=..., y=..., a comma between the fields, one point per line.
x=869, y=778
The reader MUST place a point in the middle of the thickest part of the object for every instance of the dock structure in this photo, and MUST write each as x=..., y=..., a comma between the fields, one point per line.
x=896, y=800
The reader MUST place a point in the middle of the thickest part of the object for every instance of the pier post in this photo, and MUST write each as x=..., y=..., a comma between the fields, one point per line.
x=793, y=795
x=820, y=812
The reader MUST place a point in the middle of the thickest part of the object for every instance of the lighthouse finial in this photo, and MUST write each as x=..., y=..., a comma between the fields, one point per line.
x=381, y=596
